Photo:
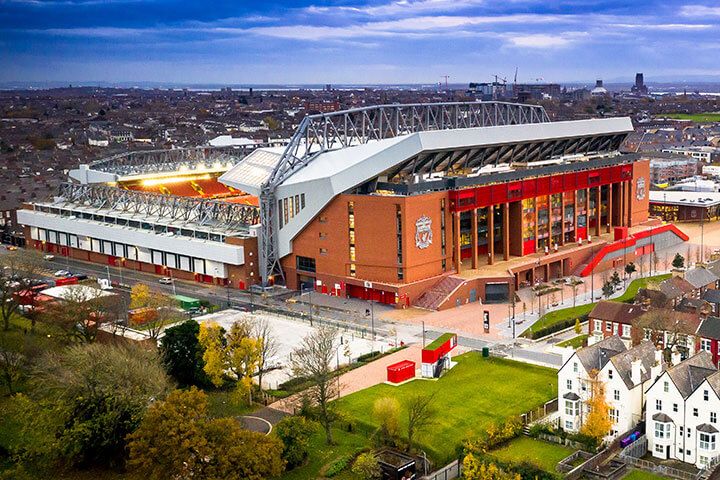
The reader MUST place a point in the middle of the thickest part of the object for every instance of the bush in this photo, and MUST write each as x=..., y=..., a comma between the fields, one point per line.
x=366, y=466
x=338, y=466
x=369, y=356
x=295, y=434
x=556, y=327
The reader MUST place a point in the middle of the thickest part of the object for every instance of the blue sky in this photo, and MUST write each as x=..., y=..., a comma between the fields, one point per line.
x=354, y=41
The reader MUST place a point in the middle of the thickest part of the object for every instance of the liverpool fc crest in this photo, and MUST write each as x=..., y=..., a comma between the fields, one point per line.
x=640, y=188
x=423, y=232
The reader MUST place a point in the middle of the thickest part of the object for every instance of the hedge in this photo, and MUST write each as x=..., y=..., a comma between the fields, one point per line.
x=556, y=327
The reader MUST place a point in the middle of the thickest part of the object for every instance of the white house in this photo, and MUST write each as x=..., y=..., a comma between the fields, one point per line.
x=625, y=375
x=682, y=409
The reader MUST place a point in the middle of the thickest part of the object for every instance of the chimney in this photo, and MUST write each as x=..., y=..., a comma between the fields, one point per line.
x=657, y=368
x=635, y=373
x=675, y=358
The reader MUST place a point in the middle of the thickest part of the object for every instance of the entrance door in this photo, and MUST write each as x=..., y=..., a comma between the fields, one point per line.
x=473, y=295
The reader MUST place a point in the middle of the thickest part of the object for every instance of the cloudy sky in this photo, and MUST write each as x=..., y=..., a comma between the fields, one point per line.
x=355, y=41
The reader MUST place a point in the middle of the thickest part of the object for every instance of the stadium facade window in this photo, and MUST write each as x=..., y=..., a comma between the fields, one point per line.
x=398, y=227
x=280, y=220
x=306, y=264
x=302, y=200
x=297, y=204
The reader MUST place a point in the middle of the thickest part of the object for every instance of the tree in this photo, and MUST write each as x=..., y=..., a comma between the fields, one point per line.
x=295, y=433
x=615, y=279
x=574, y=285
x=178, y=439
x=630, y=269
x=664, y=327
x=578, y=327
x=82, y=311
x=678, y=261
x=237, y=352
x=18, y=271
x=11, y=367
x=182, y=354
x=91, y=397
x=608, y=289
x=163, y=306
x=312, y=359
x=386, y=412
x=366, y=466
x=476, y=469
x=264, y=332
x=419, y=414
x=597, y=423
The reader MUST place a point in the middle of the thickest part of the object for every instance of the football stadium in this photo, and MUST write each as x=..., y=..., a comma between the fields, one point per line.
x=430, y=205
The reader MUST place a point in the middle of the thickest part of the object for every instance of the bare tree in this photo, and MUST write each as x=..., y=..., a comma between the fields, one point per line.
x=81, y=312
x=270, y=347
x=420, y=415
x=313, y=360
x=664, y=327
x=11, y=365
x=18, y=270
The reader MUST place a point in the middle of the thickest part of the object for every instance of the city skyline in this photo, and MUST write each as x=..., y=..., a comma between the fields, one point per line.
x=353, y=42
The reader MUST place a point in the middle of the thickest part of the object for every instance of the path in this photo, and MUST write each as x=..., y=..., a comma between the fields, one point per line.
x=359, y=378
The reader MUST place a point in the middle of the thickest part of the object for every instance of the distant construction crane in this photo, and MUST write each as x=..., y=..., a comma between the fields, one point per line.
x=446, y=77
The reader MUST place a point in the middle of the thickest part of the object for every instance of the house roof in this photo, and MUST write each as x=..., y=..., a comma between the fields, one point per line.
x=714, y=381
x=598, y=355
x=714, y=267
x=616, y=312
x=689, y=374
x=675, y=287
x=712, y=295
x=692, y=304
x=700, y=277
x=706, y=428
x=645, y=352
x=571, y=396
x=661, y=417
x=710, y=328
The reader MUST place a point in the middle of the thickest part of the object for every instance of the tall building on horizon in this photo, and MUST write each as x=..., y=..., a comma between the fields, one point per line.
x=639, y=87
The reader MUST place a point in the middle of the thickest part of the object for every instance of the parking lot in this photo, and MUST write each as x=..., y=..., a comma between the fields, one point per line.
x=288, y=335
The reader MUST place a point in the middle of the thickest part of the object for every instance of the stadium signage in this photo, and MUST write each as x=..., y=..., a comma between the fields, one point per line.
x=423, y=232
x=640, y=188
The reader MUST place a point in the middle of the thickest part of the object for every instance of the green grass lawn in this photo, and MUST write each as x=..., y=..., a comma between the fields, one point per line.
x=543, y=454
x=707, y=117
x=642, y=475
x=570, y=313
x=322, y=456
x=224, y=403
x=477, y=392
x=558, y=316
x=575, y=342
x=637, y=284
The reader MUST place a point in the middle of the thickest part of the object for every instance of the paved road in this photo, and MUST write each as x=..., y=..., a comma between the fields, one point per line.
x=223, y=296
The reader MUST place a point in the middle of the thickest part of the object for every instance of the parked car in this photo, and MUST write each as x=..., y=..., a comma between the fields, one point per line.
x=63, y=273
x=12, y=248
x=48, y=257
x=166, y=281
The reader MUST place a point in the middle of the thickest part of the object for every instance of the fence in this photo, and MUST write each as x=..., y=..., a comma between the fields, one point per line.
x=662, y=470
x=448, y=472
x=540, y=412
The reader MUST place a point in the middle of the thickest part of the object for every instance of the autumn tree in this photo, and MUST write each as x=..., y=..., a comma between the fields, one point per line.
x=578, y=327
x=18, y=270
x=476, y=469
x=386, y=412
x=90, y=397
x=313, y=360
x=295, y=433
x=11, y=367
x=237, y=352
x=420, y=415
x=177, y=438
x=366, y=466
x=164, y=308
x=597, y=424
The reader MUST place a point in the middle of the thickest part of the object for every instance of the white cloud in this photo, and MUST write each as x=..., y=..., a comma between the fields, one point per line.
x=398, y=7
x=663, y=26
x=541, y=40
x=699, y=11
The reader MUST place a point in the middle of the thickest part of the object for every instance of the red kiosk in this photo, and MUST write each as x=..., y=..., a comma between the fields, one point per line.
x=436, y=356
x=401, y=371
